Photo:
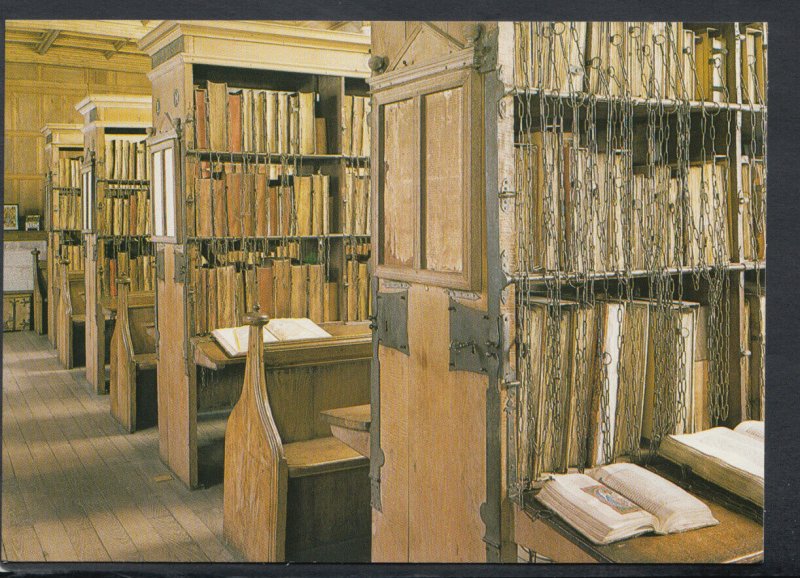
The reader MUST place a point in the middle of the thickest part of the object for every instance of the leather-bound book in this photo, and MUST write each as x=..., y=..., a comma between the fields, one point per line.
x=217, y=116
x=235, y=122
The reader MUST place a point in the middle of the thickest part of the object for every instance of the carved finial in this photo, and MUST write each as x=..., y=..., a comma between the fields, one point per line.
x=256, y=317
x=472, y=32
x=35, y=252
x=378, y=64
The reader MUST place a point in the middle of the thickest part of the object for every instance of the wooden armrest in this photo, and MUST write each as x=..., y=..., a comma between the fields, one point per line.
x=145, y=360
x=356, y=417
x=320, y=456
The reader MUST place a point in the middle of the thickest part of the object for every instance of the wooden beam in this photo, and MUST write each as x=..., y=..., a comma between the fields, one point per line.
x=47, y=41
x=117, y=47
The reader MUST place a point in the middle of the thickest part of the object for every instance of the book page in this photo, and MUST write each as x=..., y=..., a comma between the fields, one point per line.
x=666, y=501
x=752, y=428
x=290, y=329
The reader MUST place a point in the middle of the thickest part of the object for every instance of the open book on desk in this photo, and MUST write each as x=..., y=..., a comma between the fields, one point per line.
x=623, y=500
x=732, y=459
x=235, y=340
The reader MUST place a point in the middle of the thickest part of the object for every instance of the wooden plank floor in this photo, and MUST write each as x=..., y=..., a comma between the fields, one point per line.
x=76, y=488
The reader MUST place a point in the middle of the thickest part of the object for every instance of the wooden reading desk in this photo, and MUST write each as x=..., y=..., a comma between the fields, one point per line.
x=738, y=538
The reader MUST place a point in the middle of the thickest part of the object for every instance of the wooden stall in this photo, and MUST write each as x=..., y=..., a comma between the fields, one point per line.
x=63, y=151
x=260, y=195
x=39, y=304
x=115, y=215
x=292, y=490
x=134, y=400
x=71, y=316
x=493, y=134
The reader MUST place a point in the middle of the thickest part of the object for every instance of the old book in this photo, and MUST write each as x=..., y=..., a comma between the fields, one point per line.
x=273, y=210
x=201, y=302
x=331, y=301
x=283, y=122
x=217, y=116
x=361, y=208
x=320, y=190
x=286, y=202
x=352, y=290
x=366, y=142
x=294, y=123
x=203, y=208
x=220, y=205
x=283, y=287
x=261, y=204
x=316, y=289
x=271, y=121
x=358, y=121
x=117, y=159
x=731, y=459
x=756, y=343
x=584, y=368
x=363, y=292
x=620, y=501
x=226, y=296
x=239, y=302
x=212, y=300
x=235, y=340
x=126, y=160
x=299, y=295
x=200, y=119
x=260, y=122
x=348, y=201
x=133, y=214
x=248, y=110
x=308, y=137
x=321, y=136
x=347, y=136
x=302, y=206
x=234, y=197
x=235, y=122
x=758, y=191
x=266, y=289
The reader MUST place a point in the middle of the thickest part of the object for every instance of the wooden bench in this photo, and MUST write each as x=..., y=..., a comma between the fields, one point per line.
x=39, y=305
x=291, y=490
x=71, y=317
x=134, y=400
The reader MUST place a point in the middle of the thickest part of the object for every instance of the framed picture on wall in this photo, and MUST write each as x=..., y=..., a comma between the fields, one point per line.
x=10, y=217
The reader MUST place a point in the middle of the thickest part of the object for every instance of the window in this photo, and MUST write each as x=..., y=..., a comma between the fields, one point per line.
x=429, y=180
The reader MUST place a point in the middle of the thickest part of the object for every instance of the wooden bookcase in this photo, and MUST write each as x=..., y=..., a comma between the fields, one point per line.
x=108, y=118
x=186, y=56
x=445, y=402
x=62, y=142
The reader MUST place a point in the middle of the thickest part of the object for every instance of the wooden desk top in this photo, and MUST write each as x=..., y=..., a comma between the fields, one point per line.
x=350, y=341
x=737, y=538
x=356, y=417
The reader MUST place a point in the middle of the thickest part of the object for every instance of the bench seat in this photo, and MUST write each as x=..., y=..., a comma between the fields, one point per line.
x=320, y=456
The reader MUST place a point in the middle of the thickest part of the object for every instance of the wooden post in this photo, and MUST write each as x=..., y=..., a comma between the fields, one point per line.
x=39, y=324
x=254, y=519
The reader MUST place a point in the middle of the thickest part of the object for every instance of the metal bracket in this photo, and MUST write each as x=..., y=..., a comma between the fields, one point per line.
x=160, y=264
x=391, y=322
x=474, y=340
x=180, y=267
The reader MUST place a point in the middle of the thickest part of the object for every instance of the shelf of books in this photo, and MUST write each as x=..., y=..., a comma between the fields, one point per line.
x=63, y=157
x=116, y=224
x=261, y=189
x=639, y=196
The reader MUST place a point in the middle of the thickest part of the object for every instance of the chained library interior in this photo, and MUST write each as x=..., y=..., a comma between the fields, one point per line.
x=384, y=291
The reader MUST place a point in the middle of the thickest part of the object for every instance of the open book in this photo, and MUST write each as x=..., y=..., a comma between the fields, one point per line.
x=731, y=459
x=619, y=501
x=235, y=340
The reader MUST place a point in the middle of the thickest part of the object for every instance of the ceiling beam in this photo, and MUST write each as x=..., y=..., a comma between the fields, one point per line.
x=117, y=47
x=47, y=41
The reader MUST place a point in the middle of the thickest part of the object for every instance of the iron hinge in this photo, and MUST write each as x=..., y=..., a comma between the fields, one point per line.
x=391, y=323
x=474, y=340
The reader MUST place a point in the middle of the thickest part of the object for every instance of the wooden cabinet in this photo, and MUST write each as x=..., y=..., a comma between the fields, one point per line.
x=17, y=311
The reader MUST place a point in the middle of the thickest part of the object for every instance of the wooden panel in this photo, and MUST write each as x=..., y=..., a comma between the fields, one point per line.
x=444, y=189
x=399, y=197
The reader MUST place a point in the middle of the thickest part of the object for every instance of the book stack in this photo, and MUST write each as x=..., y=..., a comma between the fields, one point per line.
x=256, y=201
x=356, y=135
x=631, y=59
x=69, y=174
x=74, y=254
x=355, y=202
x=125, y=212
x=257, y=121
x=126, y=160
x=70, y=211
x=579, y=213
x=754, y=89
x=591, y=396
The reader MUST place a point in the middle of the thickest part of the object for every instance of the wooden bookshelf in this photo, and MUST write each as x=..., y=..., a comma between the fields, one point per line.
x=113, y=124
x=63, y=142
x=486, y=379
x=199, y=251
